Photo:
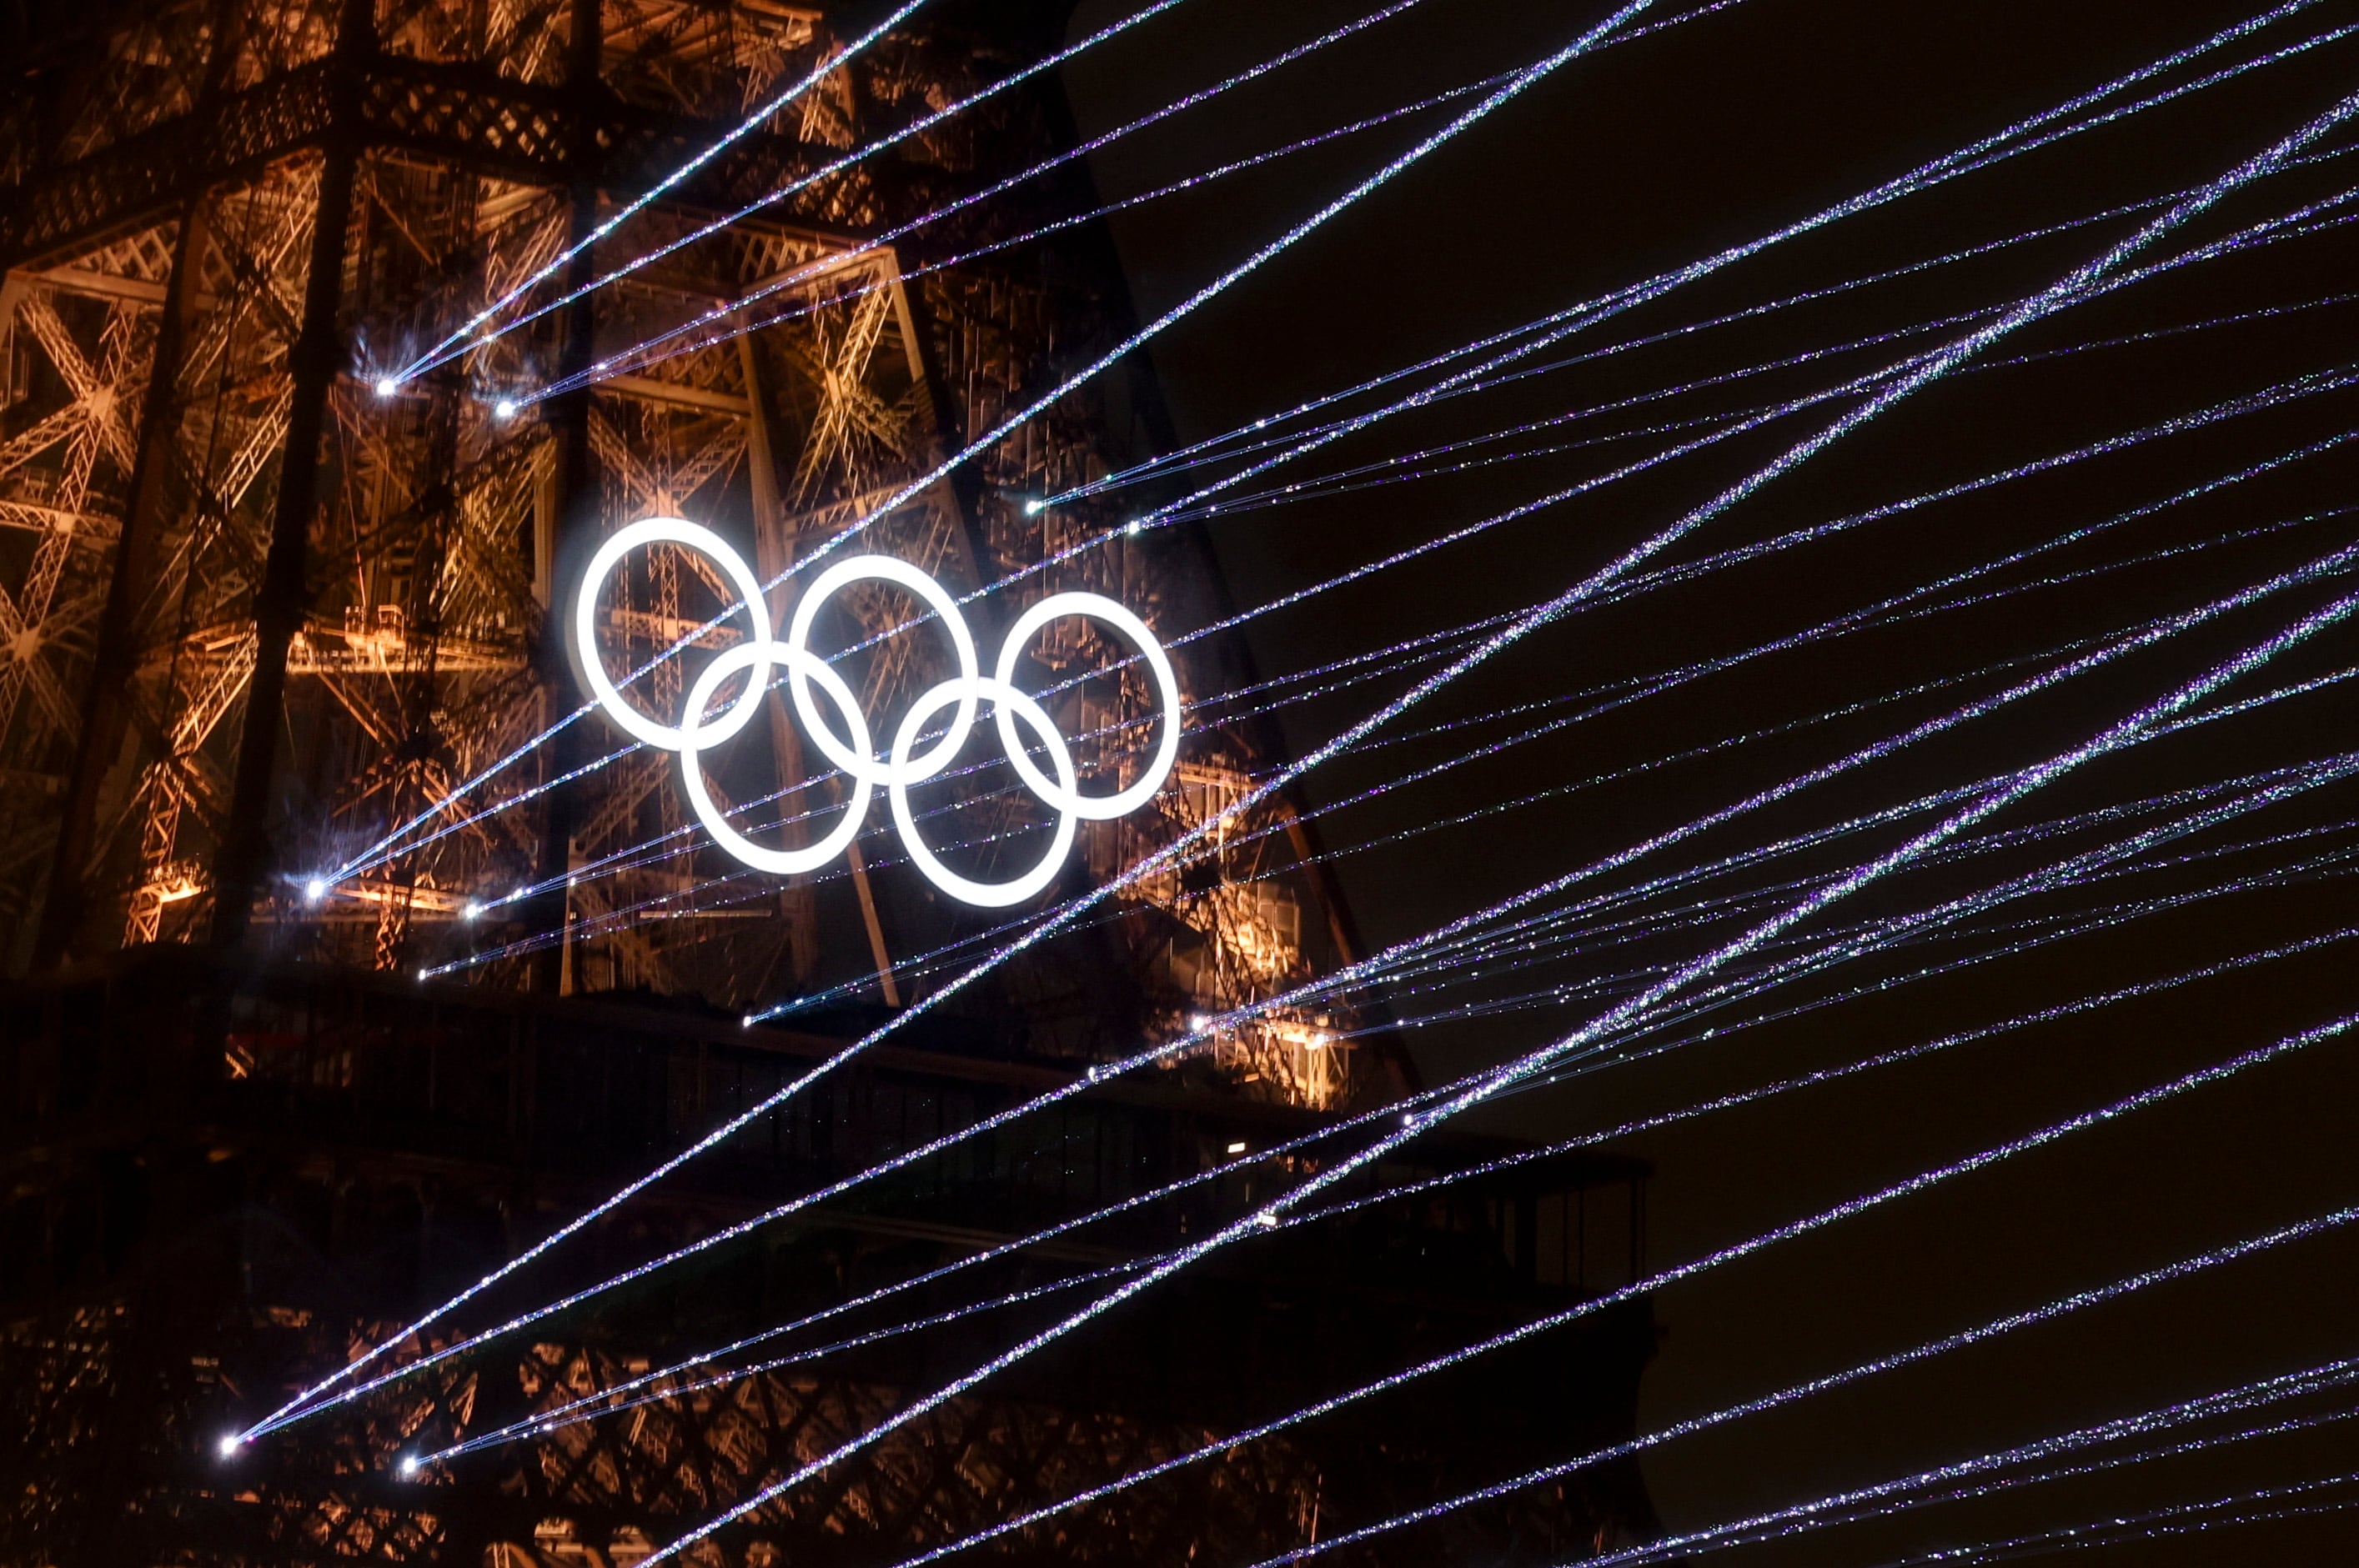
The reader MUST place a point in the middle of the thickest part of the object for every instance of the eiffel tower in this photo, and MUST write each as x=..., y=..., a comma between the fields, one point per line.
x=259, y=615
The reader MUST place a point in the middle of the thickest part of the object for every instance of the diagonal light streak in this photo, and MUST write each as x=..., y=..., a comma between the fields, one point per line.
x=2061, y=1307
x=656, y=191
x=450, y=347
x=2031, y=309
x=1514, y=87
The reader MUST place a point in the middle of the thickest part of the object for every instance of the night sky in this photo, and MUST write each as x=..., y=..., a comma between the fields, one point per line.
x=1658, y=153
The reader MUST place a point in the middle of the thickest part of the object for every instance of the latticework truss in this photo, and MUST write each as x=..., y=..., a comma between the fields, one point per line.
x=393, y=610
x=255, y=617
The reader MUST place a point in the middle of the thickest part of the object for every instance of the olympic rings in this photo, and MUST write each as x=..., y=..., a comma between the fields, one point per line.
x=851, y=747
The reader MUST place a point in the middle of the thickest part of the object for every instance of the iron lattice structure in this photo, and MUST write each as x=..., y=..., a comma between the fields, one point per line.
x=254, y=615
x=257, y=615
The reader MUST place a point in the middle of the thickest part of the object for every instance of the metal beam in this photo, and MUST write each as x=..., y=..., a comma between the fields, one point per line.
x=243, y=860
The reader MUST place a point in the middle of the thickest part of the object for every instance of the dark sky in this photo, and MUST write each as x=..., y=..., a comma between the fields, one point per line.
x=1659, y=153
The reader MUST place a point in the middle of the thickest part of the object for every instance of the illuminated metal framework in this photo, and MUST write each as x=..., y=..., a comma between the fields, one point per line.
x=252, y=615
x=256, y=614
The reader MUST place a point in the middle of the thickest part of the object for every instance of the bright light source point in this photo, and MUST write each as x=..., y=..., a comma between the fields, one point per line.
x=1237, y=1148
x=229, y=1445
x=316, y=889
x=1266, y=1221
x=1133, y=527
x=1032, y=508
x=475, y=911
x=505, y=409
x=409, y=1463
x=387, y=387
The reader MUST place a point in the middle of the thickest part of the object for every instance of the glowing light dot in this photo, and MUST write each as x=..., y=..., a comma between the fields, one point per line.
x=505, y=409
x=316, y=889
x=1237, y=1148
x=387, y=387
x=409, y=1464
x=1266, y=1221
x=1032, y=508
x=423, y=973
x=1135, y=525
x=746, y=1022
x=473, y=911
x=229, y=1445
x=1198, y=1024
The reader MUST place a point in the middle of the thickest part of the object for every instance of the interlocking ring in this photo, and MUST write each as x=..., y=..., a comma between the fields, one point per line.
x=851, y=746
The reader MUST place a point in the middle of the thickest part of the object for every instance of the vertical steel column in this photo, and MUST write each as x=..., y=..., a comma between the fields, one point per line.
x=958, y=493
x=106, y=707
x=774, y=551
x=575, y=504
x=243, y=859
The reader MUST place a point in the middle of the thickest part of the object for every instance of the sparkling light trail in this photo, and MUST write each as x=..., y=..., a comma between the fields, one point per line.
x=461, y=340
x=739, y=325
x=1580, y=318
x=2315, y=384
x=1784, y=1523
x=653, y=194
x=1710, y=1002
x=378, y=851
x=1517, y=83
x=1655, y=1282
x=2053, y=1472
x=1080, y=1220
x=1410, y=466
x=2152, y=631
x=1997, y=140
x=2029, y=311
x=2038, y=1315
x=2310, y=385
x=2184, y=1518
x=1877, y=751
x=2022, y=785
x=634, y=1393
x=724, y=320
x=1690, y=330
x=1950, y=922
x=601, y=1402
x=1858, y=942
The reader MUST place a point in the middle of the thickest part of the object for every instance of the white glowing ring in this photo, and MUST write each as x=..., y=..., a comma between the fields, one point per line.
x=756, y=658
x=1096, y=607
x=629, y=719
x=858, y=761
x=1004, y=697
